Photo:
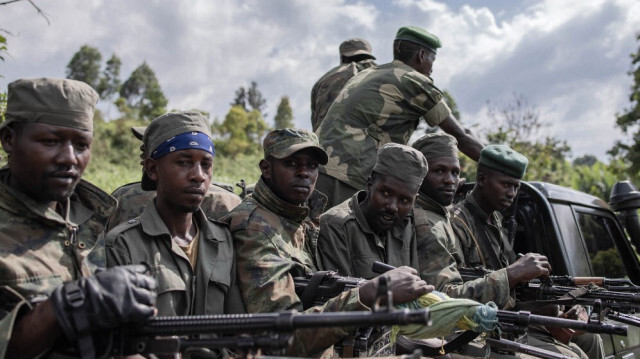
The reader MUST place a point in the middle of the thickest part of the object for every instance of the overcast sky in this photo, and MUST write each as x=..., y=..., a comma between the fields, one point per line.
x=569, y=59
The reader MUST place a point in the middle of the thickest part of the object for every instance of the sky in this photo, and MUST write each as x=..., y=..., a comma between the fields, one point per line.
x=570, y=60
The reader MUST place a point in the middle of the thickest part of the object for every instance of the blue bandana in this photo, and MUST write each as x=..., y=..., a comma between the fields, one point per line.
x=185, y=141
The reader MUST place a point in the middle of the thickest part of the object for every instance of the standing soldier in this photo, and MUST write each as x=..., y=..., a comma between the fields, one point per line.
x=376, y=224
x=381, y=105
x=50, y=221
x=355, y=56
x=132, y=199
x=275, y=233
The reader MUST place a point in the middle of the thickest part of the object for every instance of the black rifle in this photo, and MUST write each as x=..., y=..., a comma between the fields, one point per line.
x=518, y=322
x=166, y=335
x=316, y=289
x=515, y=347
x=611, y=284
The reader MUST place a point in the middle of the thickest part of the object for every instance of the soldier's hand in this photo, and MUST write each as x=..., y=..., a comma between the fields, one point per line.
x=406, y=286
x=106, y=300
x=528, y=267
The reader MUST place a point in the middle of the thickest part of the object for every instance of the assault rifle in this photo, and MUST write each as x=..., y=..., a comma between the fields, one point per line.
x=168, y=335
x=518, y=322
x=611, y=284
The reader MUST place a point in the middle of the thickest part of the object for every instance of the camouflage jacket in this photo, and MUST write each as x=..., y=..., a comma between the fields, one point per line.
x=379, y=105
x=440, y=256
x=349, y=246
x=132, y=200
x=327, y=88
x=481, y=235
x=211, y=289
x=273, y=242
x=39, y=249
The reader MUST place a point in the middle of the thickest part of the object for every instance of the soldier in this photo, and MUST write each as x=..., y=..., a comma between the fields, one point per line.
x=439, y=250
x=355, y=56
x=384, y=104
x=50, y=221
x=275, y=233
x=191, y=255
x=376, y=224
x=483, y=241
x=132, y=199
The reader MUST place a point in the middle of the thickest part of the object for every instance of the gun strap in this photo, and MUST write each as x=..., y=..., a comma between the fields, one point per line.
x=406, y=345
x=310, y=291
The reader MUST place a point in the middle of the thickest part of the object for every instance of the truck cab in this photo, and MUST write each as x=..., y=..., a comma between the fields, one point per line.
x=582, y=236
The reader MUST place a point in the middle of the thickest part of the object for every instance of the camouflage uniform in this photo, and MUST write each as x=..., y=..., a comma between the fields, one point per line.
x=327, y=88
x=39, y=249
x=483, y=239
x=349, y=246
x=439, y=257
x=211, y=289
x=377, y=106
x=275, y=241
x=132, y=200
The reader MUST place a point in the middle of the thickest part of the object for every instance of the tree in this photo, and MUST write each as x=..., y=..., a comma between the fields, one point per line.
x=519, y=126
x=284, y=115
x=85, y=66
x=240, y=133
x=110, y=82
x=254, y=97
x=142, y=93
x=630, y=121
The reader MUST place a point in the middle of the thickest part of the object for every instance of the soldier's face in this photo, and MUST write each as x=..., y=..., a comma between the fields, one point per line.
x=389, y=200
x=46, y=161
x=293, y=178
x=497, y=189
x=441, y=181
x=428, y=58
x=182, y=179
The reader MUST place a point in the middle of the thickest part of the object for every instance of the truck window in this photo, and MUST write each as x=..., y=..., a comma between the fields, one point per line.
x=603, y=254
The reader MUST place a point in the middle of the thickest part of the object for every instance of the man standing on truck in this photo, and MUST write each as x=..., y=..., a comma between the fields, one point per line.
x=275, y=233
x=375, y=224
x=483, y=241
x=381, y=105
x=355, y=56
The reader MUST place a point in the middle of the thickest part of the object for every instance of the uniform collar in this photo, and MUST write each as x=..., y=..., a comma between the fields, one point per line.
x=430, y=204
x=263, y=194
x=153, y=225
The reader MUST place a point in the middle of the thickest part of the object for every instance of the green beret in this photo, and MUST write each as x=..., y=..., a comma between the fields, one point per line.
x=167, y=126
x=402, y=162
x=434, y=145
x=420, y=36
x=503, y=159
x=58, y=102
x=284, y=142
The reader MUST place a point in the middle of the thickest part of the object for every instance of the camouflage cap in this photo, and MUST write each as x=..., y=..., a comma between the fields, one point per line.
x=402, y=162
x=287, y=141
x=355, y=46
x=434, y=145
x=503, y=159
x=167, y=126
x=59, y=102
x=419, y=36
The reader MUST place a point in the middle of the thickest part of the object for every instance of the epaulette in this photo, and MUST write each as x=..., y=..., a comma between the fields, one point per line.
x=120, y=228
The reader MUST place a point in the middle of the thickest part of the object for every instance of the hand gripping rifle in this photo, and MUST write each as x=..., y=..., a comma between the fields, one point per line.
x=519, y=322
x=269, y=331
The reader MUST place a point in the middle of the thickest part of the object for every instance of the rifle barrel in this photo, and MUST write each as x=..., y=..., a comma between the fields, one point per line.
x=523, y=318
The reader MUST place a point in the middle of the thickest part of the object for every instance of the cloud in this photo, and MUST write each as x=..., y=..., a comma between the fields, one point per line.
x=568, y=57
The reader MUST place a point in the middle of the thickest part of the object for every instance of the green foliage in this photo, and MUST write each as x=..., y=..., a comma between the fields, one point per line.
x=284, y=116
x=630, y=122
x=85, y=66
x=249, y=98
x=596, y=179
x=3, y=47
x=110, y=83
x=141, y=94
x=240, y=133
x=3, y=105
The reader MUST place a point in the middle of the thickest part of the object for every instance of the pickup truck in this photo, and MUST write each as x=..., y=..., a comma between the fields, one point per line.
x=584, y=236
